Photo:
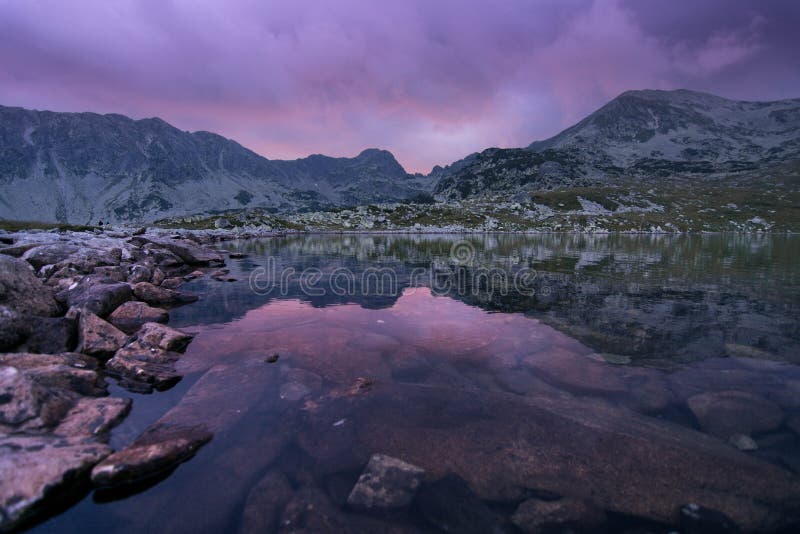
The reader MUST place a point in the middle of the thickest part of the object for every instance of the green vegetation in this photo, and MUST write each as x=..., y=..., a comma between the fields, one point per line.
x=17, y=226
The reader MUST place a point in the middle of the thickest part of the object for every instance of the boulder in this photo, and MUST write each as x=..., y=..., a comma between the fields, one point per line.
x=34, y=469
x=131, y=315
x=13, y=328
x=21, y=398
x=68, y=378
x=163, y=337
x=161, y=256
x=49, y=335
x=22, y=292
x=561, y=515
x=100, y=299
x=157, y=450
x=144, y=365
x=97, y=337
x=17, y=250
x=158, y=277
x=93, y=417
x=264, y=502
x=386, y=483
x=725, y=413
x=192, y=253
x=155, y=295
x=452, y=506
x=172, y=283
x=696, y=519
x=139, y=273
x=49, y=254
x=22, y=360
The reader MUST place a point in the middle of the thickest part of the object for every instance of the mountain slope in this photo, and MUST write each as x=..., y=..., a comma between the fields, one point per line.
x=643, y=135
x=85, y=167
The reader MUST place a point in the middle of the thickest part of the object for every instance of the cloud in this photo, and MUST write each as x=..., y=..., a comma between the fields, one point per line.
x=429, y=80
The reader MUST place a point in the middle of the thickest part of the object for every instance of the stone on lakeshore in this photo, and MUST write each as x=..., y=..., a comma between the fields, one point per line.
x=194, y=274
x=725, y=413
x=97, y=337
x=22, y=291
x=264, y=502
x=155, y=295
x=139, y=273
x=191, y=252
x=68, y=378
x=158, y=277
x=49, y=335
x=22, y=360
x=131, y=315
x=158, y=449
x=21, y=397
x=565, y=514
x=93, y=417
x=34, y=469
x=146, y=365
x=386, y=483
x=237, y=255
x=100, y=299
x=163, y=337
x=108, y=274
x=13, y=328
x=16, y=251
x=49, y=254
x=172, y=283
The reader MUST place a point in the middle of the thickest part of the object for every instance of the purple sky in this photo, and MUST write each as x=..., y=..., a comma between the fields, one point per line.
x=429, y=80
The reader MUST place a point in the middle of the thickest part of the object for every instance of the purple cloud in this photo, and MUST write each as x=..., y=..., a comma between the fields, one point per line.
x=429, y=80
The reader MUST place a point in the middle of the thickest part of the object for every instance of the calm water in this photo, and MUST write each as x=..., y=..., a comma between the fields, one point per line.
x=532, y=367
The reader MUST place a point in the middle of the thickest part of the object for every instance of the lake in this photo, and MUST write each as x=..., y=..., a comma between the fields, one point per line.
x=592, y=381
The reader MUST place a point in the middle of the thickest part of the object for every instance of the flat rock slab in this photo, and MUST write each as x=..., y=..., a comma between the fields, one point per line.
x=163, y=337
x=131, y=315
x=100, y=299
x=32, y=469
x=386, y=483
x=93, y=417
x=161, y=296
x=506, y=445
x=726, y=413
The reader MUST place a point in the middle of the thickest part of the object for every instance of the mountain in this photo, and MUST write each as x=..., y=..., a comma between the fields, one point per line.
x=85, y=167
x=643, y=135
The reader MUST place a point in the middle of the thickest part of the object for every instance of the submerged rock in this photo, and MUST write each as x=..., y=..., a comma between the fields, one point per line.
x=264, y=502
x=696, y=519
x=386, y=483
x=35, y=468
x=158, y=449
x=452, y=506
x=97, y=337
x=725, y=413
x=130, y=316
x=743, y=442
x=150, y=366
x=564, y=514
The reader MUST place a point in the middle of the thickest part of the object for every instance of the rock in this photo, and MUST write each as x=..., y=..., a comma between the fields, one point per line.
x=48, y=335
x=793, y=423
x=93, y=417
x=237, y=255
x=98, y=338
x=386, y=483
x=565, y=514
x=163, y=337
x=155, y=295
x=34, y=469
x=49, y=254
x=17, y=250
x=192, y=253
x=194, y=274
x=725, y=413
x=172, y=283
x=222, y=223
x=504, y=445
x=21, y=291
x=140, y=273
x=743, y=442
x=100, y=299
x=13, y=328
x=21, y=398
x=130, y=316
x=68, y=378
x=576, y=373
x=310, y=511
x=264, y=502
x=158, y=277
x=109, y=274
x=696, y=519
x=157, y=450
x=452, y=506
x=147, y=365
x=29, y=360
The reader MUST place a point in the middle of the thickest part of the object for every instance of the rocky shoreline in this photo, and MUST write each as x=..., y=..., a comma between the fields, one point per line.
x=76, y=307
